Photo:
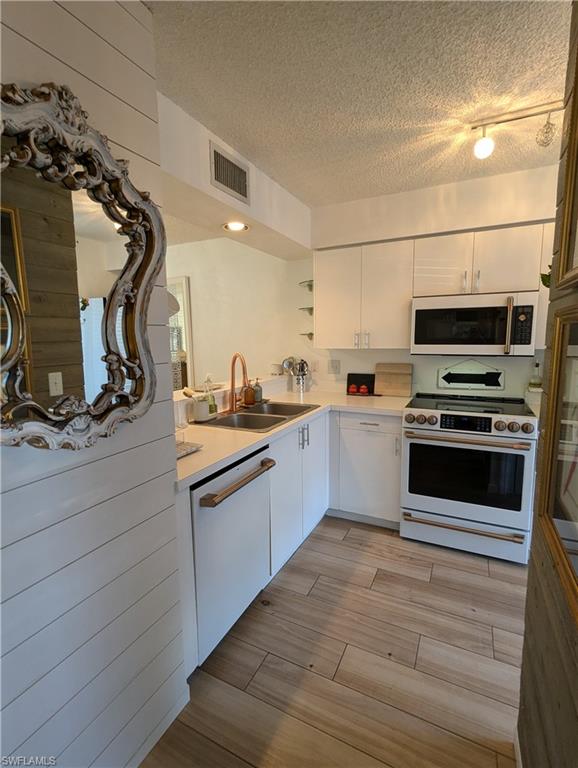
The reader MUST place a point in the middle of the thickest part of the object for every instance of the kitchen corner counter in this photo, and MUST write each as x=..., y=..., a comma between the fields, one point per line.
x=223, y=446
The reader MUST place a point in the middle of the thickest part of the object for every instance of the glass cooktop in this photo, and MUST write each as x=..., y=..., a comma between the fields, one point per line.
x=512, y=406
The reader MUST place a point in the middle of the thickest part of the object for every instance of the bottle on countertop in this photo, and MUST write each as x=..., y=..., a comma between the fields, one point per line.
x=210, y=396
x=536, y=377
x=249, y=395
x=258, y=391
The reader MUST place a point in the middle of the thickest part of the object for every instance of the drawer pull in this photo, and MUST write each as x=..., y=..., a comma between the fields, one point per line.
x=515, y=538
x=369, y=424
x=214, y=499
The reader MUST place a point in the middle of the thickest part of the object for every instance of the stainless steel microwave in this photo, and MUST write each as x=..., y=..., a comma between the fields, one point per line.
x=475, y=324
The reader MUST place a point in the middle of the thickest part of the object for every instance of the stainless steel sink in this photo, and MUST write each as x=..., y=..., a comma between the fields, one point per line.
x=281, y=409
x=254, y=422
x=262, y=417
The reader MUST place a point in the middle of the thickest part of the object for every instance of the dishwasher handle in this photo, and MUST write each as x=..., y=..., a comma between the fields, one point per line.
x=214, y=499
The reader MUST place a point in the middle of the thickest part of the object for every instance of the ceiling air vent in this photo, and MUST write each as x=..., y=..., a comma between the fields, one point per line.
x=228, y=174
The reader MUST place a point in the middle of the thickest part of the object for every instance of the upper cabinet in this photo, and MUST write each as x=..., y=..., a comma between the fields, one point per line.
x=386, y=284
x=363, y=296
x=544, y=296
x=493, y=261
x=443, y=265
x=337, y=298
x=507, y=260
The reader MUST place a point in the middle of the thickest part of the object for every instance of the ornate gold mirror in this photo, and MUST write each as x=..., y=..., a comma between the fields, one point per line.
x=81, y=248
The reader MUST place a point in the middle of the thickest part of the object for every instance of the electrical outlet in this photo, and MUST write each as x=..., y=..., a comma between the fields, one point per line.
x=334, y=366
x=55, y=384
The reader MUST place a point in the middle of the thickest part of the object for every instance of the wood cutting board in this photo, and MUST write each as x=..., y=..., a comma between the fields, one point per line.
x=393, y=379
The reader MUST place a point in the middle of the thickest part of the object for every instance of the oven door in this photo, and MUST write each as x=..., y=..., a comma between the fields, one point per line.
x=481, y=324
x=484, y=479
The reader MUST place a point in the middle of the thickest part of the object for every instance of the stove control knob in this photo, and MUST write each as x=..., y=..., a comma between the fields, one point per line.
x=513, y=426
x=410, y=418
x=432, y=419
x=500, y=425
x=420, y=418
x=527, y=428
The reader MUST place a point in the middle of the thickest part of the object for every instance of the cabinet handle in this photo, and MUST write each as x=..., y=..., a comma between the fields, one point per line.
x=301, y=438
x=366, y=339
x=214, y=499
x=369, y=423
x=465, y=287
x=307, y=428
x=396, y=447
x=356, y=339
x=478, y=273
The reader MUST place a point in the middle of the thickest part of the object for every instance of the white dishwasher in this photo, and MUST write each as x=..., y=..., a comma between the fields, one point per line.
x=231, y=544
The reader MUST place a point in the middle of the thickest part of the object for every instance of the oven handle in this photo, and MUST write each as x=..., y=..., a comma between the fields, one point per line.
x=214, y=499
x=510, y=305
x=466, y=441
x=515, y=538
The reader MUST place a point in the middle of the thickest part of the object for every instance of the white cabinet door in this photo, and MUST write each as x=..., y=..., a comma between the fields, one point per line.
x=443, y=265
x=386, y=290
x=507, y=260
x=286, y=499
x=315, y=468
x=543, y=298
x=370, y=471
x=337, y=298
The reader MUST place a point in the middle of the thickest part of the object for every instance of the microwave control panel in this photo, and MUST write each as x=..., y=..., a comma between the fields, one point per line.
x=522, y=325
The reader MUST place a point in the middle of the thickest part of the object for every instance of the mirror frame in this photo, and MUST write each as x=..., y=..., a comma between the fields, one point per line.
x=54, y=138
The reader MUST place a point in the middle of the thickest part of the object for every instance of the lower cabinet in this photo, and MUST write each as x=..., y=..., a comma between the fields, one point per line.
x=299, y=487
x=286, y=498
x=370, y=466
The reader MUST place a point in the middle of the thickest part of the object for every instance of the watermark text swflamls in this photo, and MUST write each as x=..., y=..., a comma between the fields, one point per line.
x=27, y=760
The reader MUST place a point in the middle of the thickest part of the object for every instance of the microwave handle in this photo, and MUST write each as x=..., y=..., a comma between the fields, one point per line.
x=508, y=344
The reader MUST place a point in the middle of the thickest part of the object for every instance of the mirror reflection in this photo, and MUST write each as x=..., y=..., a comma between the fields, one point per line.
x=565, y=508
x=63, y=255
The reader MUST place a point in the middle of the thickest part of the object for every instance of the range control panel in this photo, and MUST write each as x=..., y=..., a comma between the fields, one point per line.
x=502, y=425
x=464, y=423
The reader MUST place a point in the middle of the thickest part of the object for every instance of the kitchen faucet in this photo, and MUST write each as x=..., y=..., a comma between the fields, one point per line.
x=233, y=400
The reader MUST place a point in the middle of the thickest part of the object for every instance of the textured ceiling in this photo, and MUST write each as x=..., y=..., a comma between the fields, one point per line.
x=343, y=100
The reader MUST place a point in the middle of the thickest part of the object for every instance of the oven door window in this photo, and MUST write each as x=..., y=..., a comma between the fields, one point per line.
x=485, y=477
x=467, y=325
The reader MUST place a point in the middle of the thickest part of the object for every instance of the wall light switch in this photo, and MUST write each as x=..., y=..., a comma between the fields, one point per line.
x=55, y=383
x=334, y=366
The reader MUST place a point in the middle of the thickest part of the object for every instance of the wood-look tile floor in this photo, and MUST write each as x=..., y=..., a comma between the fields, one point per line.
x=366, y=650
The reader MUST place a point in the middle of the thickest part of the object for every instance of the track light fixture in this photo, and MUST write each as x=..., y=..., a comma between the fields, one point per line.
x=485, y=145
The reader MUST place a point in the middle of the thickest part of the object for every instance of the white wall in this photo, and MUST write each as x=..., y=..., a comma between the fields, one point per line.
x=94, y=278
x=185, y=155
x=493, y=201
x=238, y=304
x=91, y=631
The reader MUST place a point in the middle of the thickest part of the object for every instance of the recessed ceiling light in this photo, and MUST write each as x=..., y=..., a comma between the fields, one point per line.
x=235, y=226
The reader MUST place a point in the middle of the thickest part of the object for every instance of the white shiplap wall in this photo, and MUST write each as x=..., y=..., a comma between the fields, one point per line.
x=92, y=657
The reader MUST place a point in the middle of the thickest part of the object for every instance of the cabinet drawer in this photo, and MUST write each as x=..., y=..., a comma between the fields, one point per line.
x=370, y=423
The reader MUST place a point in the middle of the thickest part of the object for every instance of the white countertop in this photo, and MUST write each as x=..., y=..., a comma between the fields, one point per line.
x=223, y=446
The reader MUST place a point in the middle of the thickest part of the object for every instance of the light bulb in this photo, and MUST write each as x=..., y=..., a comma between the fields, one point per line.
x=484, y=147
x=236, y=226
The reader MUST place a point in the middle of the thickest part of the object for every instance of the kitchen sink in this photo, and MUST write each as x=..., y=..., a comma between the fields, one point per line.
x=255, y=422
x=281, y=409
x=262, y=417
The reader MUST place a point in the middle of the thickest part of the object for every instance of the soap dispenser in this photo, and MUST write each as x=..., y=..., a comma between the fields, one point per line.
x=249, y=395
x=258, y=391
